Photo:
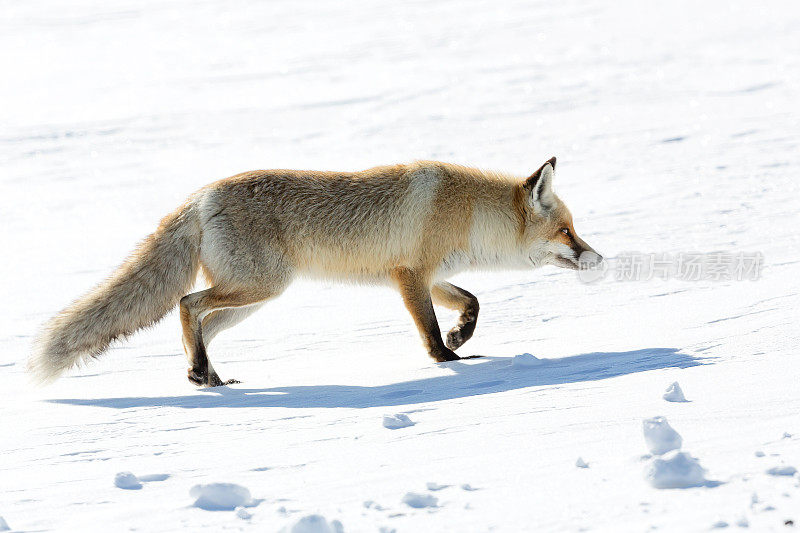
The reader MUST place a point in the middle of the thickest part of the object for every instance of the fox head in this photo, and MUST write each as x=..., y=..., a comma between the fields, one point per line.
x=549, y=235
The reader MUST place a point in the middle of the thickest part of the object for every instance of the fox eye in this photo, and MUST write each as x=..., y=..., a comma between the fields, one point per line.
x=566, y=232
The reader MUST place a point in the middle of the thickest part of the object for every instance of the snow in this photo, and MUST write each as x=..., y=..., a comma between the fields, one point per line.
x=419, y=501
x=221, y=496
x=659, y=436
x=677, y=129
x=580, y=463
x=4, y=525
x=674, y=393
x=397, y=421
x=126, y=480
x=675, y=470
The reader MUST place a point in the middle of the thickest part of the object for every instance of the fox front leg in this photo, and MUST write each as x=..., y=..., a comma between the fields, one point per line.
x=456, y=298
x=417, y=297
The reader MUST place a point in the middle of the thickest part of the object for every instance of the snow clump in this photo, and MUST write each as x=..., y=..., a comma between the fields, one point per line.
x=674, y=393
x=525, y=360
x=315, y=523
x=659, y=435
x=675, y=470
x=127, y=481
x=220, y=496
x=420, y=501
x=782, y=470
x=397, y=421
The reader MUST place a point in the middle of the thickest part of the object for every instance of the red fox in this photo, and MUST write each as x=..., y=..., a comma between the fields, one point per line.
x=411, y=225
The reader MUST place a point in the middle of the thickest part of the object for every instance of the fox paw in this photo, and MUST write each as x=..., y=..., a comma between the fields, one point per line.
x=455, y=339
x=215, y=381
x=445, y=354
x=199, y=378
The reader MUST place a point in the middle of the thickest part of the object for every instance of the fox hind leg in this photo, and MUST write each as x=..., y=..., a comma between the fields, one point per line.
x=452, y=297
x=215, y=323
x=198, y=309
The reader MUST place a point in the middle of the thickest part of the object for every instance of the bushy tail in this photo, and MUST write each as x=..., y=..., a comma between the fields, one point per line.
x=140, y=292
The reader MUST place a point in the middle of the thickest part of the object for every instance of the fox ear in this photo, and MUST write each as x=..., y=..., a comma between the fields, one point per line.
x=540, y=188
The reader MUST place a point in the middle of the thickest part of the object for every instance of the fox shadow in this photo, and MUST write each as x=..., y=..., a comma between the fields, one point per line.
x=474, y=377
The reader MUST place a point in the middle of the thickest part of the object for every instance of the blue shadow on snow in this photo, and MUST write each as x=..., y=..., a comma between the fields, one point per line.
x=470, y=378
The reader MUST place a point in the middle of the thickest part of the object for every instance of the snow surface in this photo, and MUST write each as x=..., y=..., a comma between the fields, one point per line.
x=677, y=129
